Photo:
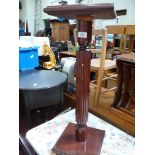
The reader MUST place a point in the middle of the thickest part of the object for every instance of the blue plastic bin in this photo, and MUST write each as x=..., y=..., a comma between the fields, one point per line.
x=28, y=58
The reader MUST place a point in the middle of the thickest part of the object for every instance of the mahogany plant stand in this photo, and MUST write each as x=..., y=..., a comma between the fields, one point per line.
x=78, y=139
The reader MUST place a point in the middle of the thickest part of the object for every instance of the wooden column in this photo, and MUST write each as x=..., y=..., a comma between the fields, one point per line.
x=78, y=139
x=84, y=27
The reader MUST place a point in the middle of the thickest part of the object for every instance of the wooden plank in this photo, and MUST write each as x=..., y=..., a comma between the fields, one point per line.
x=123, y=115
x=127, y=111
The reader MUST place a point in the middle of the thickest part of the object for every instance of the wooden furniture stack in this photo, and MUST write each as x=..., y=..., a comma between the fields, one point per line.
x=60, y=30
x=124, y=100
x=101, y=65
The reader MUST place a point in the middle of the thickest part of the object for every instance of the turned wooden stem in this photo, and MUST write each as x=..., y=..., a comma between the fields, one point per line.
x=84, y=28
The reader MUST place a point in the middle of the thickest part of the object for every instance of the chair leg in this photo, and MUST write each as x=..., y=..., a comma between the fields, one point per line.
x=98, y=87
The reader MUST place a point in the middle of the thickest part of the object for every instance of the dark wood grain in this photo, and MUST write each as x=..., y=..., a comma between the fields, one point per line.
x=83, y=77
x=125, y=94
x=67, y=144
x=98, y=11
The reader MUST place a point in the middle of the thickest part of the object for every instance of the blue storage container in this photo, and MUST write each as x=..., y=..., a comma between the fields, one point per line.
x=28, y=58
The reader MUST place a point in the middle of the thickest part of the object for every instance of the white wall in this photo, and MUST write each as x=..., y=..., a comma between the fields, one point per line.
x=22, y=12
x=30, y=15
x=46, y=3
x=27, y=12
x=118, y=5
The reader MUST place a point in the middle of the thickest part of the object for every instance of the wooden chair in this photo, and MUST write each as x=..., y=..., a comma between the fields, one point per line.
x=101, y=65
x=124, y=100
x=129, y=38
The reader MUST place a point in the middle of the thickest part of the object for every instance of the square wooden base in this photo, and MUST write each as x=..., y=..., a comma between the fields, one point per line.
x=67, y=145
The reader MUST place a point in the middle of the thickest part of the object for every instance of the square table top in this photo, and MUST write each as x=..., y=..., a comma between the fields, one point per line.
x=99, y=11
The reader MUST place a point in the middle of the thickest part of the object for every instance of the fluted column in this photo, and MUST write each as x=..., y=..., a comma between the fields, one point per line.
x=84, y=27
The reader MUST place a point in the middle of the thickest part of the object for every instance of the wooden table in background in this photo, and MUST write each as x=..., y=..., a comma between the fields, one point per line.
x=41, y=88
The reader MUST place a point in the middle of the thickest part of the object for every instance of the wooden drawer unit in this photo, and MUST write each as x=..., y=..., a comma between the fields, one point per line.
x=60, y=31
